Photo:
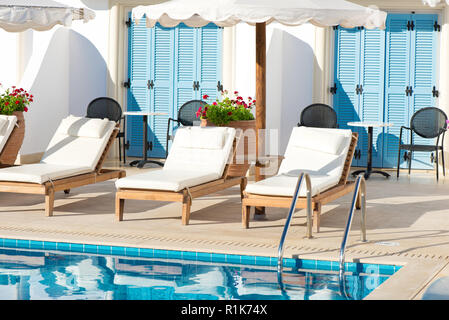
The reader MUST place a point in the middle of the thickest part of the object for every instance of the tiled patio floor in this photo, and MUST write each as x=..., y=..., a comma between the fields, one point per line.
x=407, y=223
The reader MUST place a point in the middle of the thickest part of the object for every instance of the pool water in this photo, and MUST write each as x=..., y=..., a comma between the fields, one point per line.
x=41, y=275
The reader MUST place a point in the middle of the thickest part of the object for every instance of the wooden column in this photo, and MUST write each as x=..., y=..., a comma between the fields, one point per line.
x=260, y=96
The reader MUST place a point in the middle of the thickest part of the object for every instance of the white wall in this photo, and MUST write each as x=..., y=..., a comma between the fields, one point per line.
x=64, y=68
x=290, y=63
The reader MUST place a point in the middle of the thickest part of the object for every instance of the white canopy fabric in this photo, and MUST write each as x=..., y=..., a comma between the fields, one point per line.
x=433, y=3
x=226, y=13
x=20, y=15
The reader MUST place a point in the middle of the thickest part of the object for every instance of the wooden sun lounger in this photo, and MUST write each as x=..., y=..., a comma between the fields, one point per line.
x=342, y=188
x=65, y=184
x=184, y=196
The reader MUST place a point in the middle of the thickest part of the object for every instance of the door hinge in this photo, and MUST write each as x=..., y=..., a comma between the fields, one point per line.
x=127, y=84
x=335, y=27
x=333, y=89
x=219, y=86
x=128, y=22
x=359, y=89
x=436, y=26
x=435, y=92
x=150, y=84
x=408, y=91
x=410, y=25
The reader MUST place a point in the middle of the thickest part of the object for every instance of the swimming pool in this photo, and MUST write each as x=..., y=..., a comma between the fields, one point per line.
x=37, y=270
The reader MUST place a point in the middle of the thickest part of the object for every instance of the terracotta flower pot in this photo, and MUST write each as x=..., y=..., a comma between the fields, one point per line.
x=14, y=143
x=246, y=146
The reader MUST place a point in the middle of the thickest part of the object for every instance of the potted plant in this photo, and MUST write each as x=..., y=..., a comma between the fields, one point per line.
x=234, y=112
x=14, y=101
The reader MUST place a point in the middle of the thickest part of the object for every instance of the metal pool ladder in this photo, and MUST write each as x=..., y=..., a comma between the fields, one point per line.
x=359, y=194
x=301, y=177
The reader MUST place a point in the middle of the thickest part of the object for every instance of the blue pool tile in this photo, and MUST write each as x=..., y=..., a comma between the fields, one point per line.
x=251, y=260
x=77, y=247
x=104, y=249
x=147, y=253
x=160, y=253
x=23, y=244
x=189, y=255
x=64, y=246
x=289, y=263
x=173, y=254
x=308, y=264
x=233, y=258
x=218, y=257
x=36, y=244
x=131, y=251
x=120, y=251
x=203, y=256
x=90, y=248
x=10, y=243
x=324, y=265
x=386, y=269
x=49, y=245
x=262, y=261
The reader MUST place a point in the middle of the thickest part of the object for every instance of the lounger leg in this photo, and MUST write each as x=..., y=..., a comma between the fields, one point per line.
x=119, y=206
x=243, y=183
x=186, y=205
x=49, y=202
x=246, y=211
x=317, y=216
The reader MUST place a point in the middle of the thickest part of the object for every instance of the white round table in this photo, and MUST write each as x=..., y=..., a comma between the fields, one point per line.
x=369, y=167
x=146, y=145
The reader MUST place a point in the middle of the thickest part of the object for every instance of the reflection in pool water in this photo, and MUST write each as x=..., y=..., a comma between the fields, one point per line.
x=41, y=275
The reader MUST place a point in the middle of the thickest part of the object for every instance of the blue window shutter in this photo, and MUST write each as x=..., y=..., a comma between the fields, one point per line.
x=423, y=60
x=185, y=64
x=161, y=96
x=139, y=72
x=397, y=75
x=372, y=98
x=209, y=66
x=347, y=77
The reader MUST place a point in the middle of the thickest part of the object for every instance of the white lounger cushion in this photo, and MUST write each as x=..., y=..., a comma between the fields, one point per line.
x=78, y=151
x=66, y=156
x=323, y=166
x=197, y=149
x=198, y=155
x=9, y=122
x=169, y=180
x=40, y=172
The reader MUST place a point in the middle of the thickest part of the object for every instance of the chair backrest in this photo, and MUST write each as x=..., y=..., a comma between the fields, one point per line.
x=200, y=149
x=428, y=122
x=7, y=124
x=317, y=151
x=79, y=142
x=318, y=115
x=187, y=112
x=104, y=107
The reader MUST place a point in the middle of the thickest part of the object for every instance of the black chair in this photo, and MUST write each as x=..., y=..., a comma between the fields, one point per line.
x=186, y=117
x=104, y=107
x=318, y=115
x=428, y=123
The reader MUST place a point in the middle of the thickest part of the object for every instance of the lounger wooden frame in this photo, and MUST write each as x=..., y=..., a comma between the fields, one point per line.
x=184, y=196
x=65, y=184
x=342, y=188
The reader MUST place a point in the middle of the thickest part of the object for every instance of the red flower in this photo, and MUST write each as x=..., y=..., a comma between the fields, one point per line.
x=230, y=113
x=6, y=103
x=25, y=109
x=214, y=103
x=249, y=98
x=17, y=102
x=31, y=100
x=205, y=108
x=239, y=98
x=236, y=92
x=204, y=113
x=205, y=96
x=254, y=101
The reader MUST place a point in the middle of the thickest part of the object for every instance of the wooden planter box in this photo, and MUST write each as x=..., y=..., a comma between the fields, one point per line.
x=246, y=146
x=14, y=143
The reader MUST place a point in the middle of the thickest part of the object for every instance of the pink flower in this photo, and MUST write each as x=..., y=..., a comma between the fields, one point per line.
x=214, y=103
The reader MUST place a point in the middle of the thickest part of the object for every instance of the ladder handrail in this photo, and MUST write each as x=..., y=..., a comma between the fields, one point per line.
x=359, y=195
x=290, y=214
